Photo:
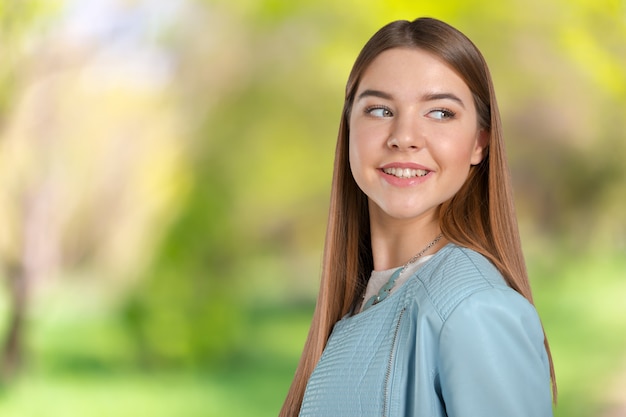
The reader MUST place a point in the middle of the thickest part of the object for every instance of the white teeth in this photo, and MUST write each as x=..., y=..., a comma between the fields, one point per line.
x=405, y=173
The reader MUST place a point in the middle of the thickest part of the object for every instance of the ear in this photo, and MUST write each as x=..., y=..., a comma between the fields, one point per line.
x=480, y=147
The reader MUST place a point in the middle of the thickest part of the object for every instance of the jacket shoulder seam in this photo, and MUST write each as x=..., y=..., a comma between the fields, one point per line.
x=456, y=277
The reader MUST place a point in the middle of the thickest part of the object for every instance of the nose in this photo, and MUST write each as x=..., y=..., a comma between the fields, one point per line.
x=405, y=135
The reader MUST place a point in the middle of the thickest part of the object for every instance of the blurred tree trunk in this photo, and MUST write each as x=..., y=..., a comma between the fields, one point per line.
x=19, y=21
x=38, y=256
x=12, y=349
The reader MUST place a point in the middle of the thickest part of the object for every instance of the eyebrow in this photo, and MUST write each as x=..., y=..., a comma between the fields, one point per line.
x=375, y=93
x=443, y=96
x=425, y=97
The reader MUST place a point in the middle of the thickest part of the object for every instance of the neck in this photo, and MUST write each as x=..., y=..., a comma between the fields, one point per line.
x=395, y=241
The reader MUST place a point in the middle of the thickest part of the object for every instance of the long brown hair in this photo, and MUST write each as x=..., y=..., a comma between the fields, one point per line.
x=481, y=216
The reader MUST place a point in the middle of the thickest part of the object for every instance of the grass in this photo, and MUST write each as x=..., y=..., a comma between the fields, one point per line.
x=112, y=395
x=246, y=389
x=81, y=369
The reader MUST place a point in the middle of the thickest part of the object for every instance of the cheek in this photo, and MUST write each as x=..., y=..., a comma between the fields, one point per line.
x=454, y=159
x=357, y=146
x=354, y=158
x=361, y=157
x=452, y=153
x=351, y=149
x=458, y=147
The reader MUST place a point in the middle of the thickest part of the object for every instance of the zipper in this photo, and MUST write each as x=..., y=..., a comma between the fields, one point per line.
x=390, y=364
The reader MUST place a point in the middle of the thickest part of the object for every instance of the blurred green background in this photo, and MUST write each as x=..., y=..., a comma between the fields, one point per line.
x=164, y=180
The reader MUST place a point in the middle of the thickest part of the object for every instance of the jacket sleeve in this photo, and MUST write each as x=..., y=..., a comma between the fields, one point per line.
x=492, y=359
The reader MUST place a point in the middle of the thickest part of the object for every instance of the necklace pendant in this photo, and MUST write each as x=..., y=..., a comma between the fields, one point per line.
x=384, y=291
x=369, y=303
x=388, y=286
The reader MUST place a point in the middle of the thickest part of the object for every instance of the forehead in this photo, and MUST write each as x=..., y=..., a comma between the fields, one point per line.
x=412, y=70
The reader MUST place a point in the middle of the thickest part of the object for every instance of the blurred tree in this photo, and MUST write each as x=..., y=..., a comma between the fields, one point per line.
x=254, y=139
x=17, y=22
x=89, y=164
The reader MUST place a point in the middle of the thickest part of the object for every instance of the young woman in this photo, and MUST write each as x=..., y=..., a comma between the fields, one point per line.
x=425, y=307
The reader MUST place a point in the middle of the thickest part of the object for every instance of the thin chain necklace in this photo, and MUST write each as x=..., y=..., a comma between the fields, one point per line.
x=386, y=289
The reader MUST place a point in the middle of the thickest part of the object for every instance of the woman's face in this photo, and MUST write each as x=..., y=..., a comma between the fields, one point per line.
x=413, y=134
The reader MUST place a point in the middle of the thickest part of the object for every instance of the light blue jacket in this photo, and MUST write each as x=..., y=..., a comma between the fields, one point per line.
x=453, y=341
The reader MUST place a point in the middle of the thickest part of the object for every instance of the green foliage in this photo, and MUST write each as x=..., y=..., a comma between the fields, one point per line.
x=184, y=314
x=580, y=300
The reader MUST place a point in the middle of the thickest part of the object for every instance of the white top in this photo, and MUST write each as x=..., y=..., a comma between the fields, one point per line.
x=380, y=278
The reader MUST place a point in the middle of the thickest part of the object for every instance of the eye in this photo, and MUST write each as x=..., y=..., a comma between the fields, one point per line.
x=441, y=114
x=379, y=111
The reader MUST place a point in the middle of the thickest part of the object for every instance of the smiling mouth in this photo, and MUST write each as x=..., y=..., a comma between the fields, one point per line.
x=405, y=172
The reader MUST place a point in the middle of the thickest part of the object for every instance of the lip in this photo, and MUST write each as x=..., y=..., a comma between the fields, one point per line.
x=404, y=165
x=404, y=182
